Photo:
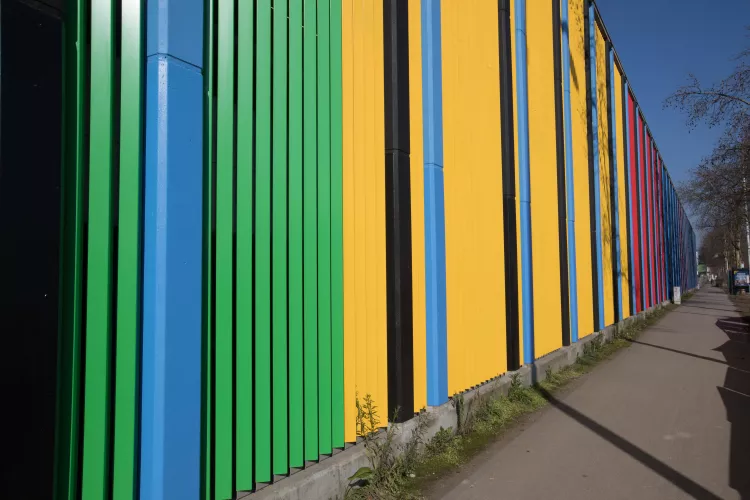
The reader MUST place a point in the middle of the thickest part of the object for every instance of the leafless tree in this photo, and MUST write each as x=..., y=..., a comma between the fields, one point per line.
x=718, y=191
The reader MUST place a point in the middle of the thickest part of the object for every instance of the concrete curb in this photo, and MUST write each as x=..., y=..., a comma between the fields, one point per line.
x=328, y=479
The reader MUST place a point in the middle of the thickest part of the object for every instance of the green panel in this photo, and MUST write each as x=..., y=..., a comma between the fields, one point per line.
x=324, y=228
x=263, y=243
x=96, y=428
x=127, y=344
x=279, y=235
x=296, y=398
x=244, y=305
x=337, y=231
x=71, y=265
x=310, y=220
x=208, y=252
x=224, y=252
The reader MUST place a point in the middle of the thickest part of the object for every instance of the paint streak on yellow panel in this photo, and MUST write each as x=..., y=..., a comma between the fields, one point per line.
x=365, y=363
x=543, y=159
x=605, y=179
x=475, y=273
x=622, y=201
x=580, y=150
x=417, y=205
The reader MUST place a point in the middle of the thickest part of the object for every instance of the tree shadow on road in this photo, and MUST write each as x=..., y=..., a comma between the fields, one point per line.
x=735, y=393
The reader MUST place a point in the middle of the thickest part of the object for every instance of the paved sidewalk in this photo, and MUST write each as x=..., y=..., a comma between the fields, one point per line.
x=667, y=418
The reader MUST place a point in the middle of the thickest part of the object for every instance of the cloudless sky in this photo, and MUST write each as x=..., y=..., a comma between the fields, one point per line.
x=659, y=42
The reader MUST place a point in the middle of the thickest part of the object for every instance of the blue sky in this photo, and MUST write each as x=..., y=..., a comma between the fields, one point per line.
x=659, y=42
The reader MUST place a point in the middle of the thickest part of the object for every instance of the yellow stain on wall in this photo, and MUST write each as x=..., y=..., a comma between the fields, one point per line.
x=580, y=150
x=622, y=201
x=417, y=205
x=475, y=273
x=543, y=158
x=605, y=178
x=365, y=363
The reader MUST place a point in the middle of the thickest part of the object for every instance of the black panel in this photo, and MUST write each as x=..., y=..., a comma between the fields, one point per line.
x=398, y=211
x=561, y=194
x=30, y=160
x=507, y=141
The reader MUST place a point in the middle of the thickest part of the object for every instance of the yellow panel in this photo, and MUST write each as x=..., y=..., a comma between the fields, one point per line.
x=365, y=338
x=580, y=150
x=351, y=353
x=378, y=191
x=622, y=201
x=475, y=274
x=417, y=205
x=543, y=159
x=605, y=178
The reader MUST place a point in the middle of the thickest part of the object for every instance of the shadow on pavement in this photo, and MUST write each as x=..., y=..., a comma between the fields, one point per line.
x=735, y=393
x=680, y=480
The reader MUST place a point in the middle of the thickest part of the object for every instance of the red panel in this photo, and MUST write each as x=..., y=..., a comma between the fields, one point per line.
x=650, y=190
x=644, y=210
x=635, y=226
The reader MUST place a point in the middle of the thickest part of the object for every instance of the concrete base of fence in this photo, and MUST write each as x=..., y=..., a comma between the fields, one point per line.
x=328, y=479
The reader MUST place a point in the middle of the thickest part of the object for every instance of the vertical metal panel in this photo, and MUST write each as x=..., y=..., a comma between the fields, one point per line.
x=606, y=228
x=279, y=255
x=543, y=179
x=296, y=230
x=635, y=238
x=243, y=420
x=209, y=248
x=623, y=207
x=364, y=209
x=614, y=151
x=475, y=268
x=98, y=344
x=595, y=214
x=640, y=193
x=310, y=226
x=129, y=266
x=435, y=284
x=225, y=148
x=510, y=209
x=337, y=230
x=400, y=346
x=75, y=60
x=522, y=89
x=569, y=168
x=263, y=242
x=172, y=359
x=580, y=151
x=324, y=229
x=561, y=175
x=417, y=185
x=351, y=348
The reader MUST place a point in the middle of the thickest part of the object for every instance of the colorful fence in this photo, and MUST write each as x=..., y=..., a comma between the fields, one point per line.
x=318, y=201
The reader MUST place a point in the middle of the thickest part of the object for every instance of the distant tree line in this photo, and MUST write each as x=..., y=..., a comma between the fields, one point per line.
x=718, y=190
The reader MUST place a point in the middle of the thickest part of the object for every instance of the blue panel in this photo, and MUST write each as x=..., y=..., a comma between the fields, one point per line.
x=616, y=205
x=437, y=353
x=628, y=139
x=569, y=172
x=171, y=373
x=596, y=180
x=434, y=210
x=524, y=175
x=432, y=83
x=175, y=27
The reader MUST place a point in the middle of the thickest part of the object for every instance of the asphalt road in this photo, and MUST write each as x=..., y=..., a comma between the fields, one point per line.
x=668, y=417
